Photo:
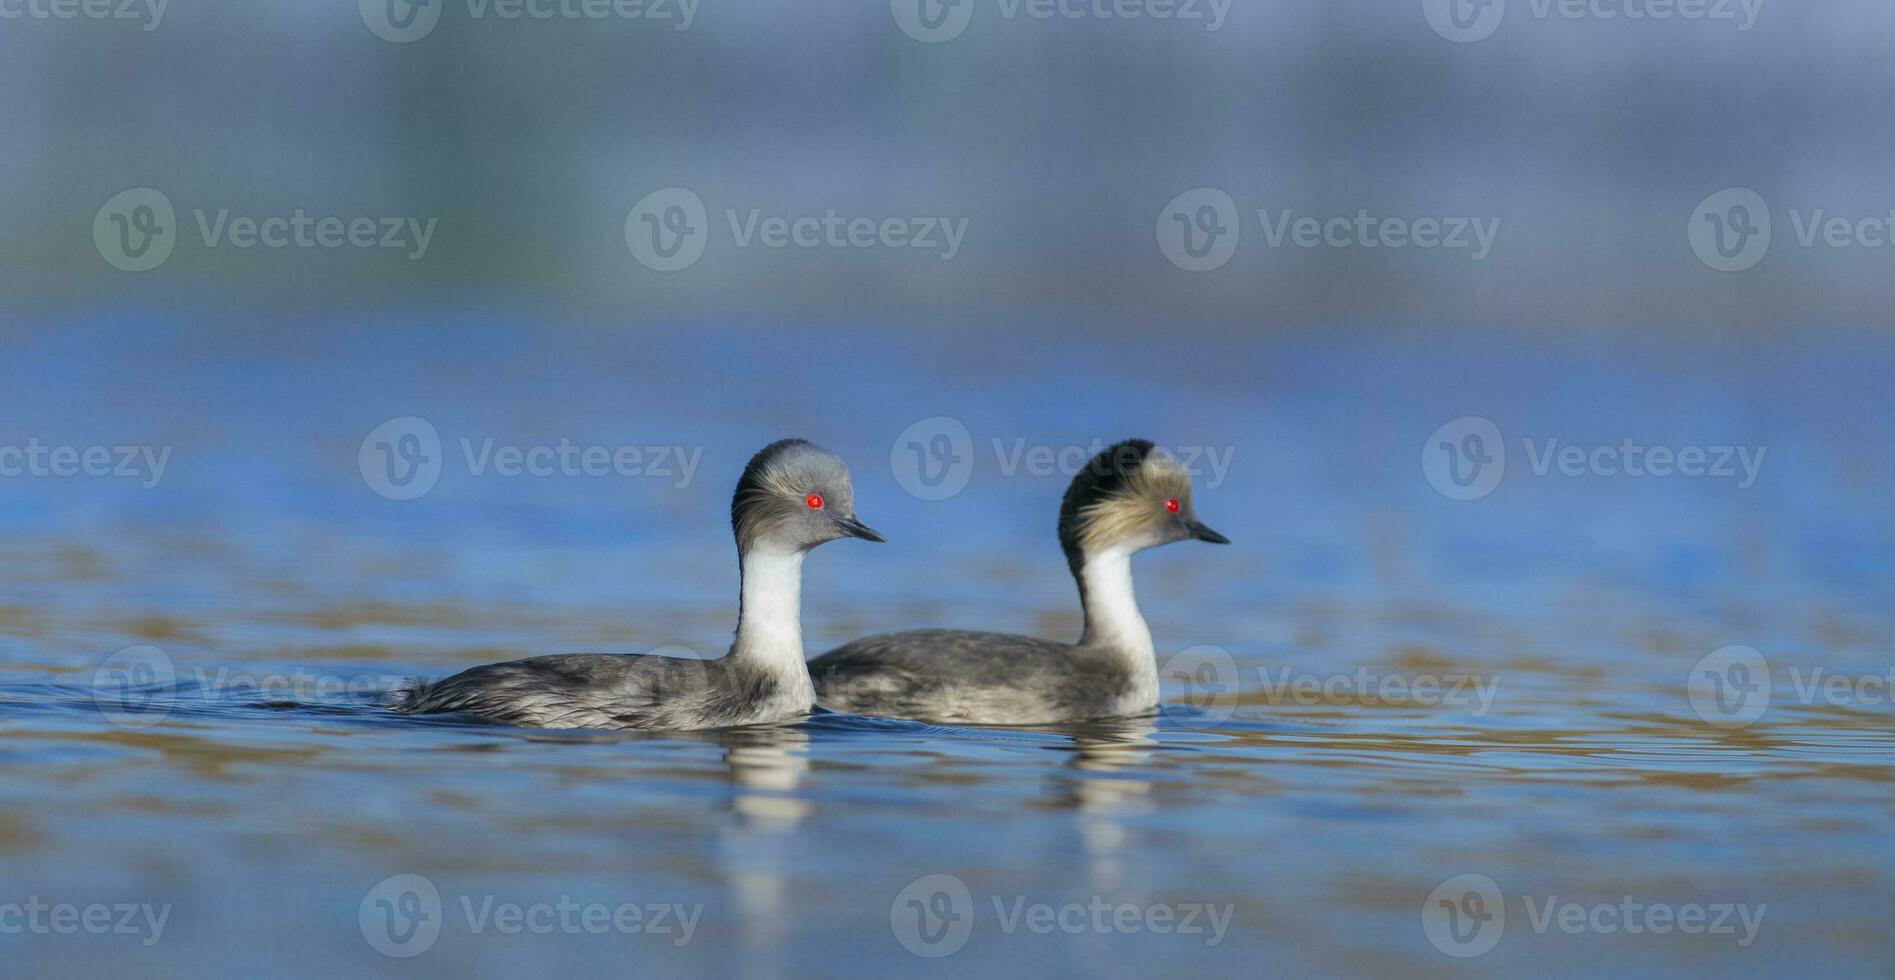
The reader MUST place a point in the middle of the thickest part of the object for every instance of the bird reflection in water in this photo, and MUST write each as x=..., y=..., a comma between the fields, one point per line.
x=1098, y=785
x=766, y=765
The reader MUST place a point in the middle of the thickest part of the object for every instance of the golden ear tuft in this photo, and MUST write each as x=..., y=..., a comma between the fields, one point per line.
x=1136, y=509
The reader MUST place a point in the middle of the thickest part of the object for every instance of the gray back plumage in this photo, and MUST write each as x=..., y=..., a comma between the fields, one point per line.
x=792, y=496
x=967, y=677
x=1129, y=496
x=611, y=691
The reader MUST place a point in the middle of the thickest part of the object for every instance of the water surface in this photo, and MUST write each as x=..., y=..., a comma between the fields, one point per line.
x=263, y=801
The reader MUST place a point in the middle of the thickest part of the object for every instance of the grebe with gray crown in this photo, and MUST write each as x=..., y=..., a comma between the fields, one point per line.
x=791, y=498
x=1130, y=497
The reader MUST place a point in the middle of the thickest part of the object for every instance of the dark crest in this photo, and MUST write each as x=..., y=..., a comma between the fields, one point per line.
x=1104, y=476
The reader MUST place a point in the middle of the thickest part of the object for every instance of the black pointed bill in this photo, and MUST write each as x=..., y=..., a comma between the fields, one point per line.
x=1202, y=533
x=857, y=529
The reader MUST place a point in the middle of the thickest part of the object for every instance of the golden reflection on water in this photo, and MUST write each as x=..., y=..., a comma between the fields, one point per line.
x=1304, y=815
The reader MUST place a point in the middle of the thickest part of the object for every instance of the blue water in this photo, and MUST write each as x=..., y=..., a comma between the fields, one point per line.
x=262, y=800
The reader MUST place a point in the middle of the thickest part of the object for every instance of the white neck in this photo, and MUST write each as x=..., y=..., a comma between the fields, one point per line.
x=1112, y=619
x=769, y=620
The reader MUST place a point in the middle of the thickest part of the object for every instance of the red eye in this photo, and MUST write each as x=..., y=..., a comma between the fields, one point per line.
x=1172, y=505
x=814, y=501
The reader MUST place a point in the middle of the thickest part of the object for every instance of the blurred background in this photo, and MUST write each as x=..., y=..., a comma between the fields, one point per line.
x=282, y=284
x=1591, y=139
